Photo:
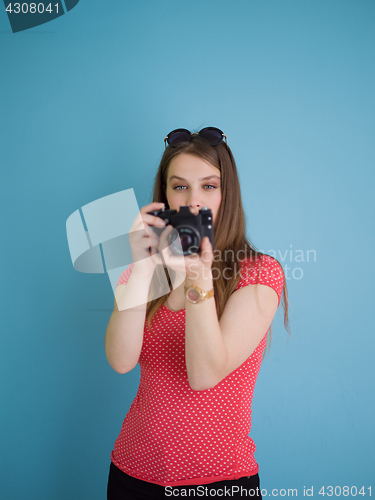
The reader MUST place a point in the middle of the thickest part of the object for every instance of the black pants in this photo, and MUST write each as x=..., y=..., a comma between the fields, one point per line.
x=121, y=486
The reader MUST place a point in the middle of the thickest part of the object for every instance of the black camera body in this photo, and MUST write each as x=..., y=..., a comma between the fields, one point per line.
x=190, y=228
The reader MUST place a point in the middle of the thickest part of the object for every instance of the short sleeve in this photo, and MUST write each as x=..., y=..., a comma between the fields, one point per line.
x=123, y=279
x=269, y=270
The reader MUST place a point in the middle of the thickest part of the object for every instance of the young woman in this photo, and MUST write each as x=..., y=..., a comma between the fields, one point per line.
x=199, y=346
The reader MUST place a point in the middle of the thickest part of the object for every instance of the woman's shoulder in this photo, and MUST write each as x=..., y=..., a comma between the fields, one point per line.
x=262, y=269
x=260, y=260
x=123, y=279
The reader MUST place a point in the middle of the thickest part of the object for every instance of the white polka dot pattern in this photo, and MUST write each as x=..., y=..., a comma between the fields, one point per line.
x=173, y=435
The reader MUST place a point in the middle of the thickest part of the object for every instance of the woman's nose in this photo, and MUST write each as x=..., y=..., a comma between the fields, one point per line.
x=194, y=203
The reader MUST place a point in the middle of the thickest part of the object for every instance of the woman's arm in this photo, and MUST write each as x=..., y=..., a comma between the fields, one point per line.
x=214, y=349
x=124, y=335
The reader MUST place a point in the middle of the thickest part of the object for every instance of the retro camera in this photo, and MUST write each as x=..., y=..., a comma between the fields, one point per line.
x=190, y=228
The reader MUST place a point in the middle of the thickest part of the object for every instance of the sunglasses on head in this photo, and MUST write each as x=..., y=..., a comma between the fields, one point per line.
x=212, y=135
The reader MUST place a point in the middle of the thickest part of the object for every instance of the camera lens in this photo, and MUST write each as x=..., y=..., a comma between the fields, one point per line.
x=186, y=240
x=190, y=239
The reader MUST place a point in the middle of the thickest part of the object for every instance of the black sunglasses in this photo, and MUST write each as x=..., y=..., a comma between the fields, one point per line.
x=212, y=135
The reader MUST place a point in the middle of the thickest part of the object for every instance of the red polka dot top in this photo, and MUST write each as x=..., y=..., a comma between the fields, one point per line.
x=173, y=435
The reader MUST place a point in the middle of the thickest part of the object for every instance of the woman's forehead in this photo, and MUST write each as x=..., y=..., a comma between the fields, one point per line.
x=186, y=165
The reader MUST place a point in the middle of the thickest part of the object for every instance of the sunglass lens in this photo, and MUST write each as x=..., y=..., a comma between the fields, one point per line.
x=178, y=136
x=212, y=135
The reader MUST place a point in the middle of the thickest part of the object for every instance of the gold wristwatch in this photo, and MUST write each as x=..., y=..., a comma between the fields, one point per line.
x=195, y=294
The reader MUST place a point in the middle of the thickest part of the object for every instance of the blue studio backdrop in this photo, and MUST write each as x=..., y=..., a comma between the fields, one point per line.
x=86, y=100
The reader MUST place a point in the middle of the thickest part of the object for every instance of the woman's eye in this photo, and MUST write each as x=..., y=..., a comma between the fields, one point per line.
x=206, y=187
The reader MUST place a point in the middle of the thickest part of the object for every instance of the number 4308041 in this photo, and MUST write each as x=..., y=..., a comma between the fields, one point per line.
x=31, y=8
x=345, y=491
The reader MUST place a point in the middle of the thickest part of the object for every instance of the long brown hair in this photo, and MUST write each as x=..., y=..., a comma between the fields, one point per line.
x=229, y=229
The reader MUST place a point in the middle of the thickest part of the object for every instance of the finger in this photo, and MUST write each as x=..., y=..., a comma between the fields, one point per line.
x=207, y=243
x=152, y=207
x=157, y=258
x=164, y=237
x=155, y=205
x=141, y=235
x=206, y=250
x=153, y=238
x=139, y=220
x=151, y=234
x=153, y=220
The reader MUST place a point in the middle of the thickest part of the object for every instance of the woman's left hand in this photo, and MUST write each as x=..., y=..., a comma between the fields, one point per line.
x=196, y=267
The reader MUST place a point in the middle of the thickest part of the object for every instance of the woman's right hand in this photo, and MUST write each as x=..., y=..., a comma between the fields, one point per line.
x=142, y=238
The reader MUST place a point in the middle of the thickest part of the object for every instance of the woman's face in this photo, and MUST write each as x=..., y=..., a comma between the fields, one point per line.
x=193, y=182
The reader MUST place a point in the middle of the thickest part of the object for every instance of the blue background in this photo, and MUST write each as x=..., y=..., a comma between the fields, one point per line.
x=85, y=102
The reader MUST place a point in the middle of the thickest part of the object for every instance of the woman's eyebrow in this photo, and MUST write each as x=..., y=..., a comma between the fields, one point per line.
x=202, y=179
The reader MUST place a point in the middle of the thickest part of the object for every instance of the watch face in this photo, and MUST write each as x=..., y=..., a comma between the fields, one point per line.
x=193, y=295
